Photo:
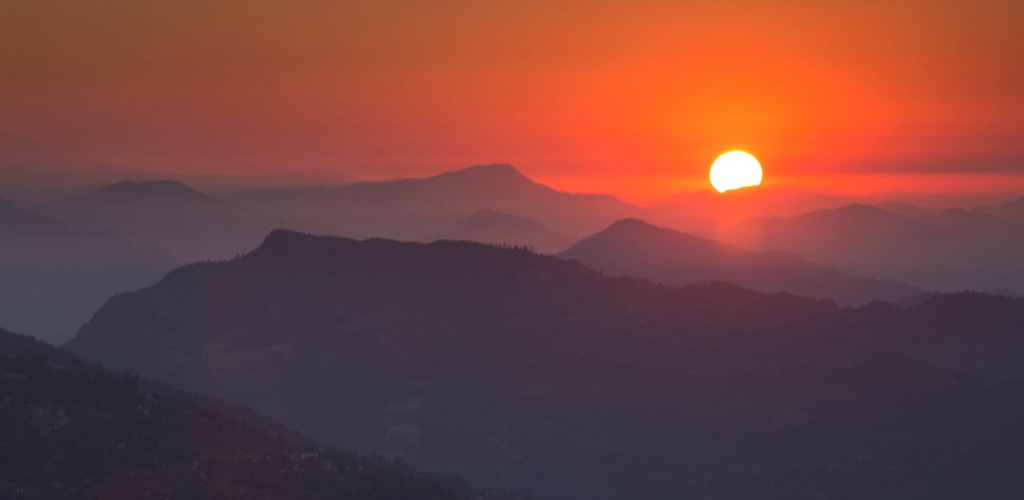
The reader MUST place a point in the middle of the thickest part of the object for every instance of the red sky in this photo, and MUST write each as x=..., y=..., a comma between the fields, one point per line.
x=634, y=98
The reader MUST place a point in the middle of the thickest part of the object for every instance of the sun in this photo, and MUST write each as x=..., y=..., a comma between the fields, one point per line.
x=734, y=170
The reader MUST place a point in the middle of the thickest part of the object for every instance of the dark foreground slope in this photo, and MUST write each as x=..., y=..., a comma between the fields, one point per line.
x=534, y=372
x=69, y=430
x=634, y=248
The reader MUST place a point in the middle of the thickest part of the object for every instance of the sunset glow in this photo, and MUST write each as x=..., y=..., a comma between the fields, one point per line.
x=735, y=170
x=627, y=98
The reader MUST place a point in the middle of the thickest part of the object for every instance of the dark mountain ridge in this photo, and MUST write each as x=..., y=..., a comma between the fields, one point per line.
x=529, y=371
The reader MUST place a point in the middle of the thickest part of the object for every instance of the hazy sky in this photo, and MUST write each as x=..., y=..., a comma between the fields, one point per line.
x=635, y=97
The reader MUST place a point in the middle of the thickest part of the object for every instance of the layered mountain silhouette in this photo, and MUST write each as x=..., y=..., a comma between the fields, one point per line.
x=488, y=226
x=517, y=369
x=1014, y=209
x=168, y=215
x=635, y=248
x=908, y=210
x=953, y=250
x=705, y=212
x=54, y=277
x=72, y=430
x=432, y=207
x=230, y=184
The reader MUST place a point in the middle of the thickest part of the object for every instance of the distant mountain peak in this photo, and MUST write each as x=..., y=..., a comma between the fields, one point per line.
x=499, y=172
x=165, y=187
x=492, y=169
x=491, y=226
x=631, y=223
x=853, y=211
x=633, y=228
x=279, y=239
x=488, y=217
x=635, y=247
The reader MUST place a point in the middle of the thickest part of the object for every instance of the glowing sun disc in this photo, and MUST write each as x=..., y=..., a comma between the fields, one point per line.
x=734, y=170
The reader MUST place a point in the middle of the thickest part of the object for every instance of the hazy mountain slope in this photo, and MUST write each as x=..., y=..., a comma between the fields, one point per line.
x=534, y=372
x=704, y=212
x=52, y=278
x=74, y=431
x=635, y=248
x=908, y=210
x=17, y=223
x=1014, y=209
x=230, y=184
x=953, y=250
x=167, y=215
x=488, y=226
x=432, y=207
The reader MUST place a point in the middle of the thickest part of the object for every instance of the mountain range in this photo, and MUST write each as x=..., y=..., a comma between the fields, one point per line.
x=953, y=250
x=1014, y=209
x=432, y=207
x=535, y=373
x=168, y=215
x=706, y=212
x=631, y=247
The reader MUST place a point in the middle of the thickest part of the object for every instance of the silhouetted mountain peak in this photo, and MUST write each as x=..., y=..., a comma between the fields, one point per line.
x=630, y=224
x=290, y=245
x=480, y=176
x=280, y=239
x=502, y=171
x=639, y=232
x=854, y=213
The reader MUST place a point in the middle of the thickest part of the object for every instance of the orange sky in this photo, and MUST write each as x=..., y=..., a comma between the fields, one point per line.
x=635, y=98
